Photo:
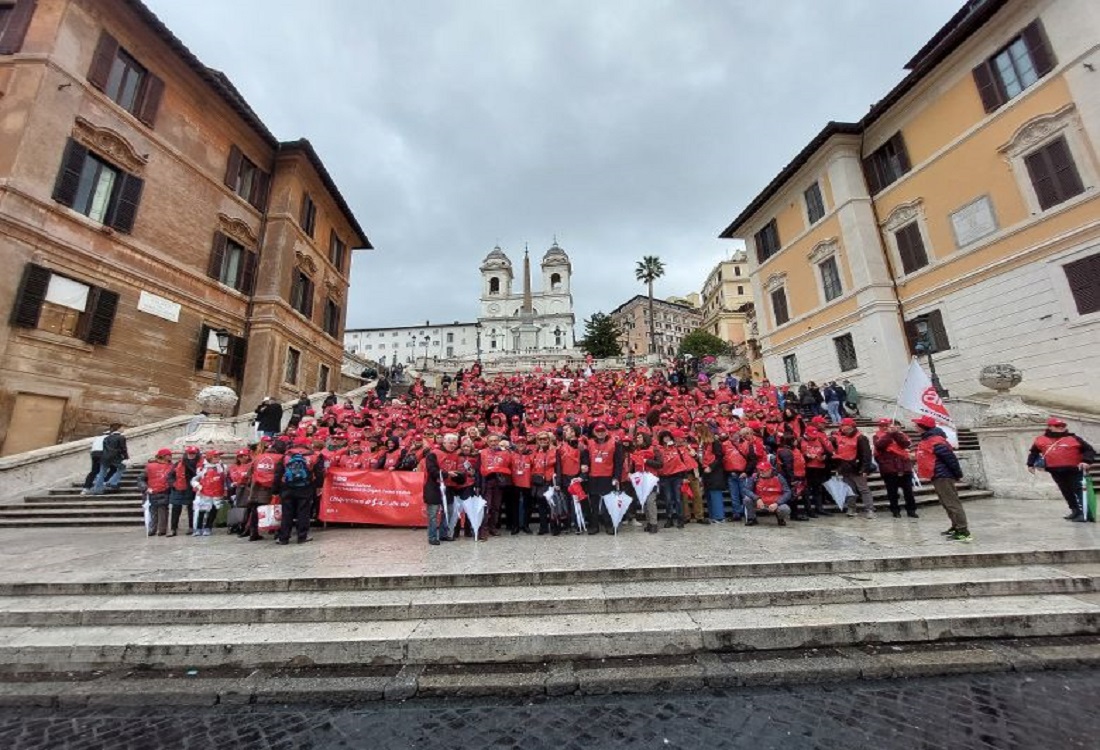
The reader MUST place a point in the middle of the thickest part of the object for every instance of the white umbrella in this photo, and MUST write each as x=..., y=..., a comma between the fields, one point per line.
x=475, y=511
x=644, y=483
x=452, y=517
x=616, y=504
x=443, y=494
x=839, y=490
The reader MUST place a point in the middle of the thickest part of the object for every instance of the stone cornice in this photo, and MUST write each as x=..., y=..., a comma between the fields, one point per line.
x=111, y=144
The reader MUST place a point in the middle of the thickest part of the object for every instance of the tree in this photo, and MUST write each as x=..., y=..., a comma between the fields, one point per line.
x=700, y=343
x=649, y=269
x=601, y=336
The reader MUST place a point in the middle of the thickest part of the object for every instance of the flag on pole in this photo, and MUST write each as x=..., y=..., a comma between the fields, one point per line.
x=919, y=396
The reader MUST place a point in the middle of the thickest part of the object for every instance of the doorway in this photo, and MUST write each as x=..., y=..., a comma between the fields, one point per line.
x=35, y=423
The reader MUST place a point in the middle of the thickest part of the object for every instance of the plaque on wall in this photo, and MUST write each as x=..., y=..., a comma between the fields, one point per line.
x=159, y=306
x=973, y=221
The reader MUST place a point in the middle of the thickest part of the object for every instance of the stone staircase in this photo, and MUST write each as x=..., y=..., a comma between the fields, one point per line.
x=538, y=631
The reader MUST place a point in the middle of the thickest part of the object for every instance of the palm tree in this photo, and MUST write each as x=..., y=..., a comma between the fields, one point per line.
x=649, y=269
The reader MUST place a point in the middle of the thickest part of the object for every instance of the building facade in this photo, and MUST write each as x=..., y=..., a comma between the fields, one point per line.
x=143, y=207
x=672, y=321
x=960, y=216
x=526, y=321
x=726, y=292
x=411, y=345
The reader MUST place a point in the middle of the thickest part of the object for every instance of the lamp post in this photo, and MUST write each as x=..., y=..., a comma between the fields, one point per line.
x=427, y=340
x=926, y=343
x=478, y=337
x=222, y=336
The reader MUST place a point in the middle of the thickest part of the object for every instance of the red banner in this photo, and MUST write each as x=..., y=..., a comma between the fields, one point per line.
x=382, y=498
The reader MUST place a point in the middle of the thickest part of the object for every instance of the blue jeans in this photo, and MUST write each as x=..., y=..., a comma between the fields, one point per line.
x=434, y=525
x=670, y=490
x=834, y=411
x=716, y=505
x=736, y=495
x=101, y=478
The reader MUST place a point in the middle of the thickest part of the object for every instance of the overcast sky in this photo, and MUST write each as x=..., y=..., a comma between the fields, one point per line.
x=625, y=127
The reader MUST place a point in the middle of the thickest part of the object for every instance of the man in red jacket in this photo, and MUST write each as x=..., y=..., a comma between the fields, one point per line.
x=895, y=466
x=157, y=482
x=1066, y=457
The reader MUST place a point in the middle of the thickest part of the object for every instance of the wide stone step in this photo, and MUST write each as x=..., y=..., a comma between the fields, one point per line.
x=28, y=512
x=125, y=494
x=129, y=487
x=544, y=637
x=90, y=520
x=82, y=504
x=515, y=601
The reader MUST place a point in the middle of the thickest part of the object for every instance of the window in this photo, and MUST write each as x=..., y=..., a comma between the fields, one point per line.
x=332, y=319
x=737, y=270
x=930, y=328
x=100, y=191
x=307, y=216
x=1053, y=174
x=779, y=307
x=293, y=360
x=767, y=241
x=911, y=248
x=815, y=204
x=118, y=75
x=322, y=377
x=830, y=278
x=206, y=359
x=368, y=347
x=846, y=352
x=887, y=164
x=450, y=338
x=790, y=368
x=740, y=291
x=246, y=179
x=301, y=294
x=450, y=351
x=1084, y=283
x=555, y=280
x=1015, y=67
x=63, y=306
x=337, y=250
x=231, y=264
x=15, y=19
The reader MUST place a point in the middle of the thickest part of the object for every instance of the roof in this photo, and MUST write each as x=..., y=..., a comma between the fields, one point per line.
x=960, y=27
x=455, y=324
x=656, y=301
x=224, y=88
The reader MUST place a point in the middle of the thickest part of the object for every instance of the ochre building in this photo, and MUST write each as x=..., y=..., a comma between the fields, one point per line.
x=961, y=213
x=144, y=206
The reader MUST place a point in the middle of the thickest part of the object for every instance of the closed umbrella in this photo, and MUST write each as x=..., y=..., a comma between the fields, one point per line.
x=617, y=504
x=475, y=511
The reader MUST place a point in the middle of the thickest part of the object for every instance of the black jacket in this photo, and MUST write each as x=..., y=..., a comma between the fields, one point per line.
x=114, y=448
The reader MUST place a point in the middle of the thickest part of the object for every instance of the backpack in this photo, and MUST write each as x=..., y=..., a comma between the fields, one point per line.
x=296, y=473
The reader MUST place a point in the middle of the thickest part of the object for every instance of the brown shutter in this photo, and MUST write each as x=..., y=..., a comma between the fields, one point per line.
x=870, y=173
x=102, y=60
x=19, y=20
x=902, y=152
x=308, y=292
x=1038, y=47
x=260, y=184
x=68, y=178
x=200, y=355
x=31, y=295
x=234, y=365
x=940, y=342
x=217, y=257
x=100, y=316
x=1042, y=178
x=126, y=206
x=248, y=271
x=149, y=102
x=1064, y=170
x=985, y=78
x=233, y=167
x=1084, y=283
x=910, y=336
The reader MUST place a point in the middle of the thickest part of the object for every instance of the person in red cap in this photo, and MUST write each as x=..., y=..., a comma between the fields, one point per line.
x=852, y=454
x=605, y=454
x=1066, y=457
x=182, y=495
x=240, y=479
x=156, y=483
x=937, y=462
x=211, y=485
x=767, y=492
x=303, y=474
x=674, y=467
x=895, y=466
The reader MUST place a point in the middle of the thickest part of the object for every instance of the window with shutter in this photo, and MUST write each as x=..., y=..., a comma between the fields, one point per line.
x=307, y=217
x=332, y=318
x=1053, y=173
x=767, y=241
x=301, y=294
x=116, y=73
x=830, y=279
x=244, y=178
x=887, y=164
x=337, y=250
x=779, y=306
x=322, y=378
x=911, y=248
x=846, y=353
x=15, y=19
x=1015, y=67
x=815, y=204
x=1084, y=283
x=790, y=368
x=293, y=363
x=97, y=189
x=100, y=317
x=31, y=295
x=934, y=332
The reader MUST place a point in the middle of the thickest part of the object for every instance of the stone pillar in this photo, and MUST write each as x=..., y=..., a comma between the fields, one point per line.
x=216, y=432
x=1006, y=431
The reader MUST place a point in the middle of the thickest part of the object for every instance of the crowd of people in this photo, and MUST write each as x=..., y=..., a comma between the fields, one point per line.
x=546, y=448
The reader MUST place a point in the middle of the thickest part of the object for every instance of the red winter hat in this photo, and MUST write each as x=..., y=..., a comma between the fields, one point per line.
x=925, y=422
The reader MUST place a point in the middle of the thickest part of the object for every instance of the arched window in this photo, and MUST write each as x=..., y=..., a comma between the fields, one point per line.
x=494, y=285
x=555, y=280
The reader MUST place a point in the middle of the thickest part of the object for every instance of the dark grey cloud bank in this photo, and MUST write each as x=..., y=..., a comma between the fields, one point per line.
x=625, y=127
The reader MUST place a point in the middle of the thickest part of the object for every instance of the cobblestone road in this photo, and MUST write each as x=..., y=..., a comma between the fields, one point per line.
x=1047, y=710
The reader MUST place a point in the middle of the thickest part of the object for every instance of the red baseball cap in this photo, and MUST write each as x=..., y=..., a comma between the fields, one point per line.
x=191, y=449
x=764, y=466
x=1056, y=422
x=164, y=452
x=599, y=426
x=847, y=422
x=885, y=422
x=925, y=422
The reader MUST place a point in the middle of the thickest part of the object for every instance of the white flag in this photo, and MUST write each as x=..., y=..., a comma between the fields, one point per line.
x=919, y=396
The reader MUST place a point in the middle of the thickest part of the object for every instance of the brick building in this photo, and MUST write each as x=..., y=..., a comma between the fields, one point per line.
x=144, y=206
x=672, y=321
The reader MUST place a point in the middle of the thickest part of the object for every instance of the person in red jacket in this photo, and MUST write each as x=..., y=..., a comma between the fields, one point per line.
x=1066, y=457
x=895, y=466
x=606, y=456
x=518, y=500
x=852, y=454
x=674, y=468
x=572, y=463
x=267, y=468
x=543, y=470
x=156, y=482
x=495, y=475
x=817, y=450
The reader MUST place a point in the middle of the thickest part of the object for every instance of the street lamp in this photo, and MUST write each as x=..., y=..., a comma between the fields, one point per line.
x=478, y=330
x=427, y=340
x=222, y=337
x=926, y=343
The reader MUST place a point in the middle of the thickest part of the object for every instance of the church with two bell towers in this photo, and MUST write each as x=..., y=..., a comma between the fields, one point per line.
x=526, y=321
